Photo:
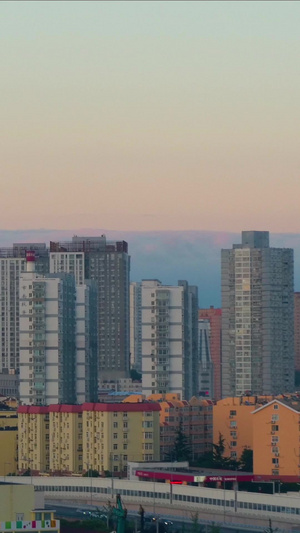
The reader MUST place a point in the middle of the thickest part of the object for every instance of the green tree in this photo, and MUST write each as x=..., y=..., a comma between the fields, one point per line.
x=196, y=527
x=181, y=450
x=270, y=529
x=91, y=473
x=219, y=460
x=135, y=375
x=246, y=460
x=214, y=528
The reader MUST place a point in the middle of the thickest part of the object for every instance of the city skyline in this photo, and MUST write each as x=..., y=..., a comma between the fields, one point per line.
x=150, y=115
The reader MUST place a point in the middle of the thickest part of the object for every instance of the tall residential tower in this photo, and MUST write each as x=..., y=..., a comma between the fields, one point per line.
x=169, y=338
x=257, y=317
x=108, y=264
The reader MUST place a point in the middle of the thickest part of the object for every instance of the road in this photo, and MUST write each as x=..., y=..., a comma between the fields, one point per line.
x=180, y=525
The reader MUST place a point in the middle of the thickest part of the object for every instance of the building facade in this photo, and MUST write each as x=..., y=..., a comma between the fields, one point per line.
x=136, y=325
x=12, y=264
x=206, y=367
x=47, y=339
x=297, y=330
x=65, y=439
x=194, y=417
x=215, y=320
x=257, y=317
x=108, y=264
x=276, y=450
x=8, y=440
x=58, y=338
x=169, y=338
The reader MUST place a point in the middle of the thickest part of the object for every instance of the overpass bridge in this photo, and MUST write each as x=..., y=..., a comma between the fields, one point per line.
x=226, y=506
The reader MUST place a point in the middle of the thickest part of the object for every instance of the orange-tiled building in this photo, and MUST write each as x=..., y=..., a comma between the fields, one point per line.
x=233, y=419
x=276, y=438
x=196, y=418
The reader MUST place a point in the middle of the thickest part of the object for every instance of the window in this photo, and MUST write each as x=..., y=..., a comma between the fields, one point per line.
x=233, y=424
x=115, y=446
x=275, y=428
x=232, y=413
x=275, y=406
x=115, y=435
x=115, y=424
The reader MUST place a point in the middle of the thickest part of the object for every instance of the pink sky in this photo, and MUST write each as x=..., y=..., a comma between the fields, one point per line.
x=150, y=115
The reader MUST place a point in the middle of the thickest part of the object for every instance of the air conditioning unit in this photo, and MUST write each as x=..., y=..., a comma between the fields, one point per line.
x=276, y=454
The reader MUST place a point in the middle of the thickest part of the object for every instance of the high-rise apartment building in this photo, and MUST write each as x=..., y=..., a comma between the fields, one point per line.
x=136, y=325
x=58, y=338
x=108, y=264
x=297, y=329
x=169, y=338
x=206, y=367
x=12, y=264
x=215, y=320
x=257, y=317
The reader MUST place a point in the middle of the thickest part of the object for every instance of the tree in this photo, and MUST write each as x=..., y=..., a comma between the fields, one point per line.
x=196, y=527
x=246, y=460
x=214, y=528
x=91, y=473
x=219, y=461
x=270, y=529
x=181, y=450
x=135, y=375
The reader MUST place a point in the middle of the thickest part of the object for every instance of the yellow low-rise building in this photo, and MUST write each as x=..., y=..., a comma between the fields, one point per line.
x=8, y=441
x=65, y=439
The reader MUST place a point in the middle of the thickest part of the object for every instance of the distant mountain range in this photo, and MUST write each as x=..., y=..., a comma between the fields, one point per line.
x=168, y=255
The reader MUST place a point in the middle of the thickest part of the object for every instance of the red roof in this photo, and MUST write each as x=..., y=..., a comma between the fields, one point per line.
x=105, y=407
x=121, y=407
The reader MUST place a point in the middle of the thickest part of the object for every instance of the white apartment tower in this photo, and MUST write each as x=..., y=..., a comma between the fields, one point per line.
x=12, y=264
x=257, y=317
x=58, y=332
x=169, y=338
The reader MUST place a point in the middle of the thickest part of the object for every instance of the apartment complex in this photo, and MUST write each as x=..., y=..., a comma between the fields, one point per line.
x=108, y=264
x=257, y=317
x=215, y=320
x=233, y=420
x=12, y=264
x=195, y=417
x=169, y=338
x=58, y=338
x=206, y=367
x=64, y=439
x=276, y=446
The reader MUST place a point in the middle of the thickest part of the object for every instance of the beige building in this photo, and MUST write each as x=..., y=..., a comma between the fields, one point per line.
x=8, y=441
x=65, y=439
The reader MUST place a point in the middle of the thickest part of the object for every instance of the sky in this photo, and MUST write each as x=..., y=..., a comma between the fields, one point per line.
x=150, y=116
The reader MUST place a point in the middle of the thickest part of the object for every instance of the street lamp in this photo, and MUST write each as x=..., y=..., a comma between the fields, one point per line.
x=30, y=470
x=89, y=471
x=5, y=469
